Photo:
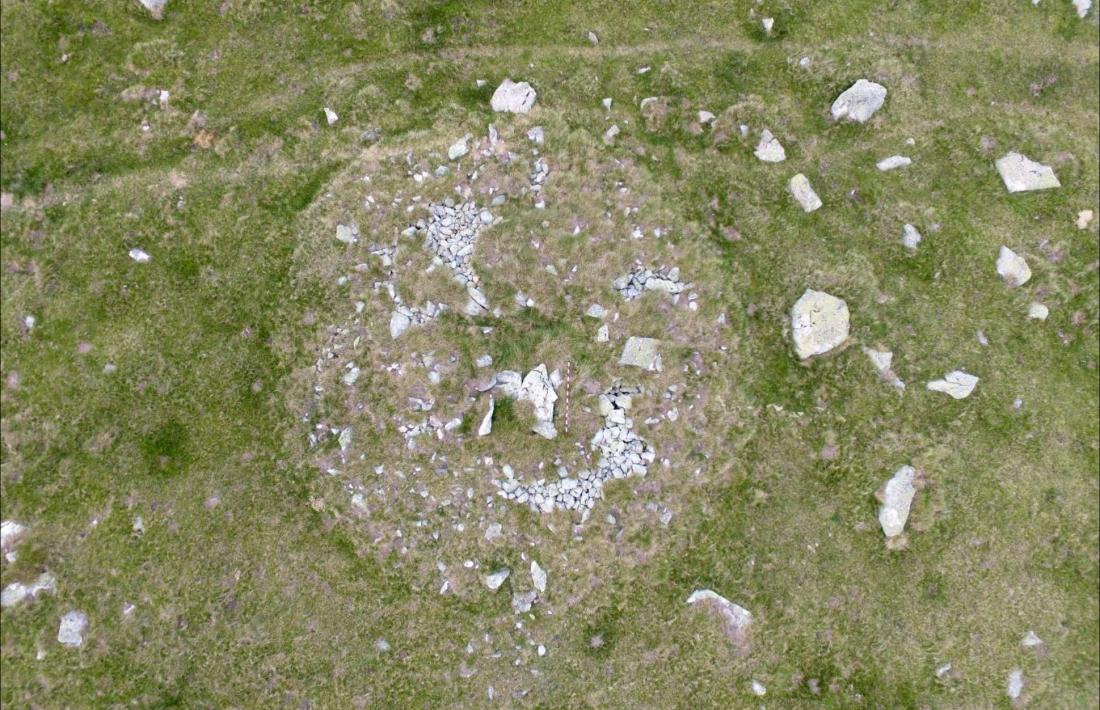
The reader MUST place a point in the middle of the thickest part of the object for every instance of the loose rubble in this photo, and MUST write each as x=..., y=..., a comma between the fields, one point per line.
x=1021, y=174
x=450, y=234
x=513, y=97
x=896, y=497
x=620, y=453
x=1012, y=267
x=736, y=620
x=956, y=383
x=642, y=279
x=819, y=323
x=803, y=193
x=769, y=149
x=859, y=101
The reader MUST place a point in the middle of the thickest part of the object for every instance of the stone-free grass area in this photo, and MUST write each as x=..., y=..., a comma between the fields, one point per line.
x=278, y=593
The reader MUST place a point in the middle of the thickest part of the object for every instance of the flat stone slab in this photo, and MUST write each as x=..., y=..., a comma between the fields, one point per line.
x=1021, y=174
x=819, y=323
x=897, y=497
x=956, y=383
x=859, y=102
x=643, y=353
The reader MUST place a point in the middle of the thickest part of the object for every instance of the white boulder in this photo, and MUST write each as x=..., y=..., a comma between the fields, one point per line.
x=859, y=101
x=513, y=97
x=819, y=323
x=804, y=193
x=769, y=149
x=1021, y=174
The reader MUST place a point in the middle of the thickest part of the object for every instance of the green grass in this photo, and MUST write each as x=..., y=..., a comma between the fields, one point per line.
x=278, y=595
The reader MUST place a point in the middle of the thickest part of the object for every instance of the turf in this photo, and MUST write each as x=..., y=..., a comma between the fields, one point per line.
x=279, y=594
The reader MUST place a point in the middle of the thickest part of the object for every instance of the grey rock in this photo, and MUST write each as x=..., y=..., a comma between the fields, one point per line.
x=819, y=323
x=859, y=102
x=71, y=631
x=512, y=97
x=1021, y=174
x=803, y=193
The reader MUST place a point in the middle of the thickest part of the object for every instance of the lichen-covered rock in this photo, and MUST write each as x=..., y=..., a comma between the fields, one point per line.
x=859, y=101
x=1021, y=174
x=819, y=323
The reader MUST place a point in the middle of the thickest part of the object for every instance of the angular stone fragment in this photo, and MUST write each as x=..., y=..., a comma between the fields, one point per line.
x=769, y=149
x=896, y=497
x=1012, y=267
x=859, y=101
x=956, y=383
x=803, y=193
x=1021, y=174
x=819, y=323
x=512, y=97
x=538, y=577
x=643, y=353
x=882, y=359
x=486, y=427
x=736, y=620
x=17, y=592
x=494, y=580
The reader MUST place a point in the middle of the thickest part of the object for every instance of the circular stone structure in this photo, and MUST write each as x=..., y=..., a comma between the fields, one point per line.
x=819, y=323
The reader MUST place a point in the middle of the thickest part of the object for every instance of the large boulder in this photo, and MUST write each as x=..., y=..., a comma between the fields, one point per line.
x=819, y=323
x=512, y=97
x=1021, y=174
x=859, y=101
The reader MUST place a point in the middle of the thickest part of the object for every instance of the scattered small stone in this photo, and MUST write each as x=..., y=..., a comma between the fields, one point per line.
x=893, y=162
x=896, y=496
x=484, y=361
x=538, y=577
x=330, y=116
x=643, y=353
x=1015, y=684
x=736, y=620
x=1082, y=7
x=1031, y=640
x=494, y=531
x=769, y=149
x=943, y=670
x=610, y=134
x=956, y=383
x=607, y=103
x=706, y=117
x=494, y=580
x=593, y=39
x=768, y=23
x=882, y=359
x=71, y=631
x=1012, y=267
x=819, y=323
x=603, y=334
x=758, y=689
x=458, y=149
x=512, y=97
x=803, y=193
x=140, y=256
x=1021, y=174
x=596, y=311
x=11, y=533
x=859, y=101
x=910, y=237
x=1083, y=219
x=1037, y=311
x=536, y=135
